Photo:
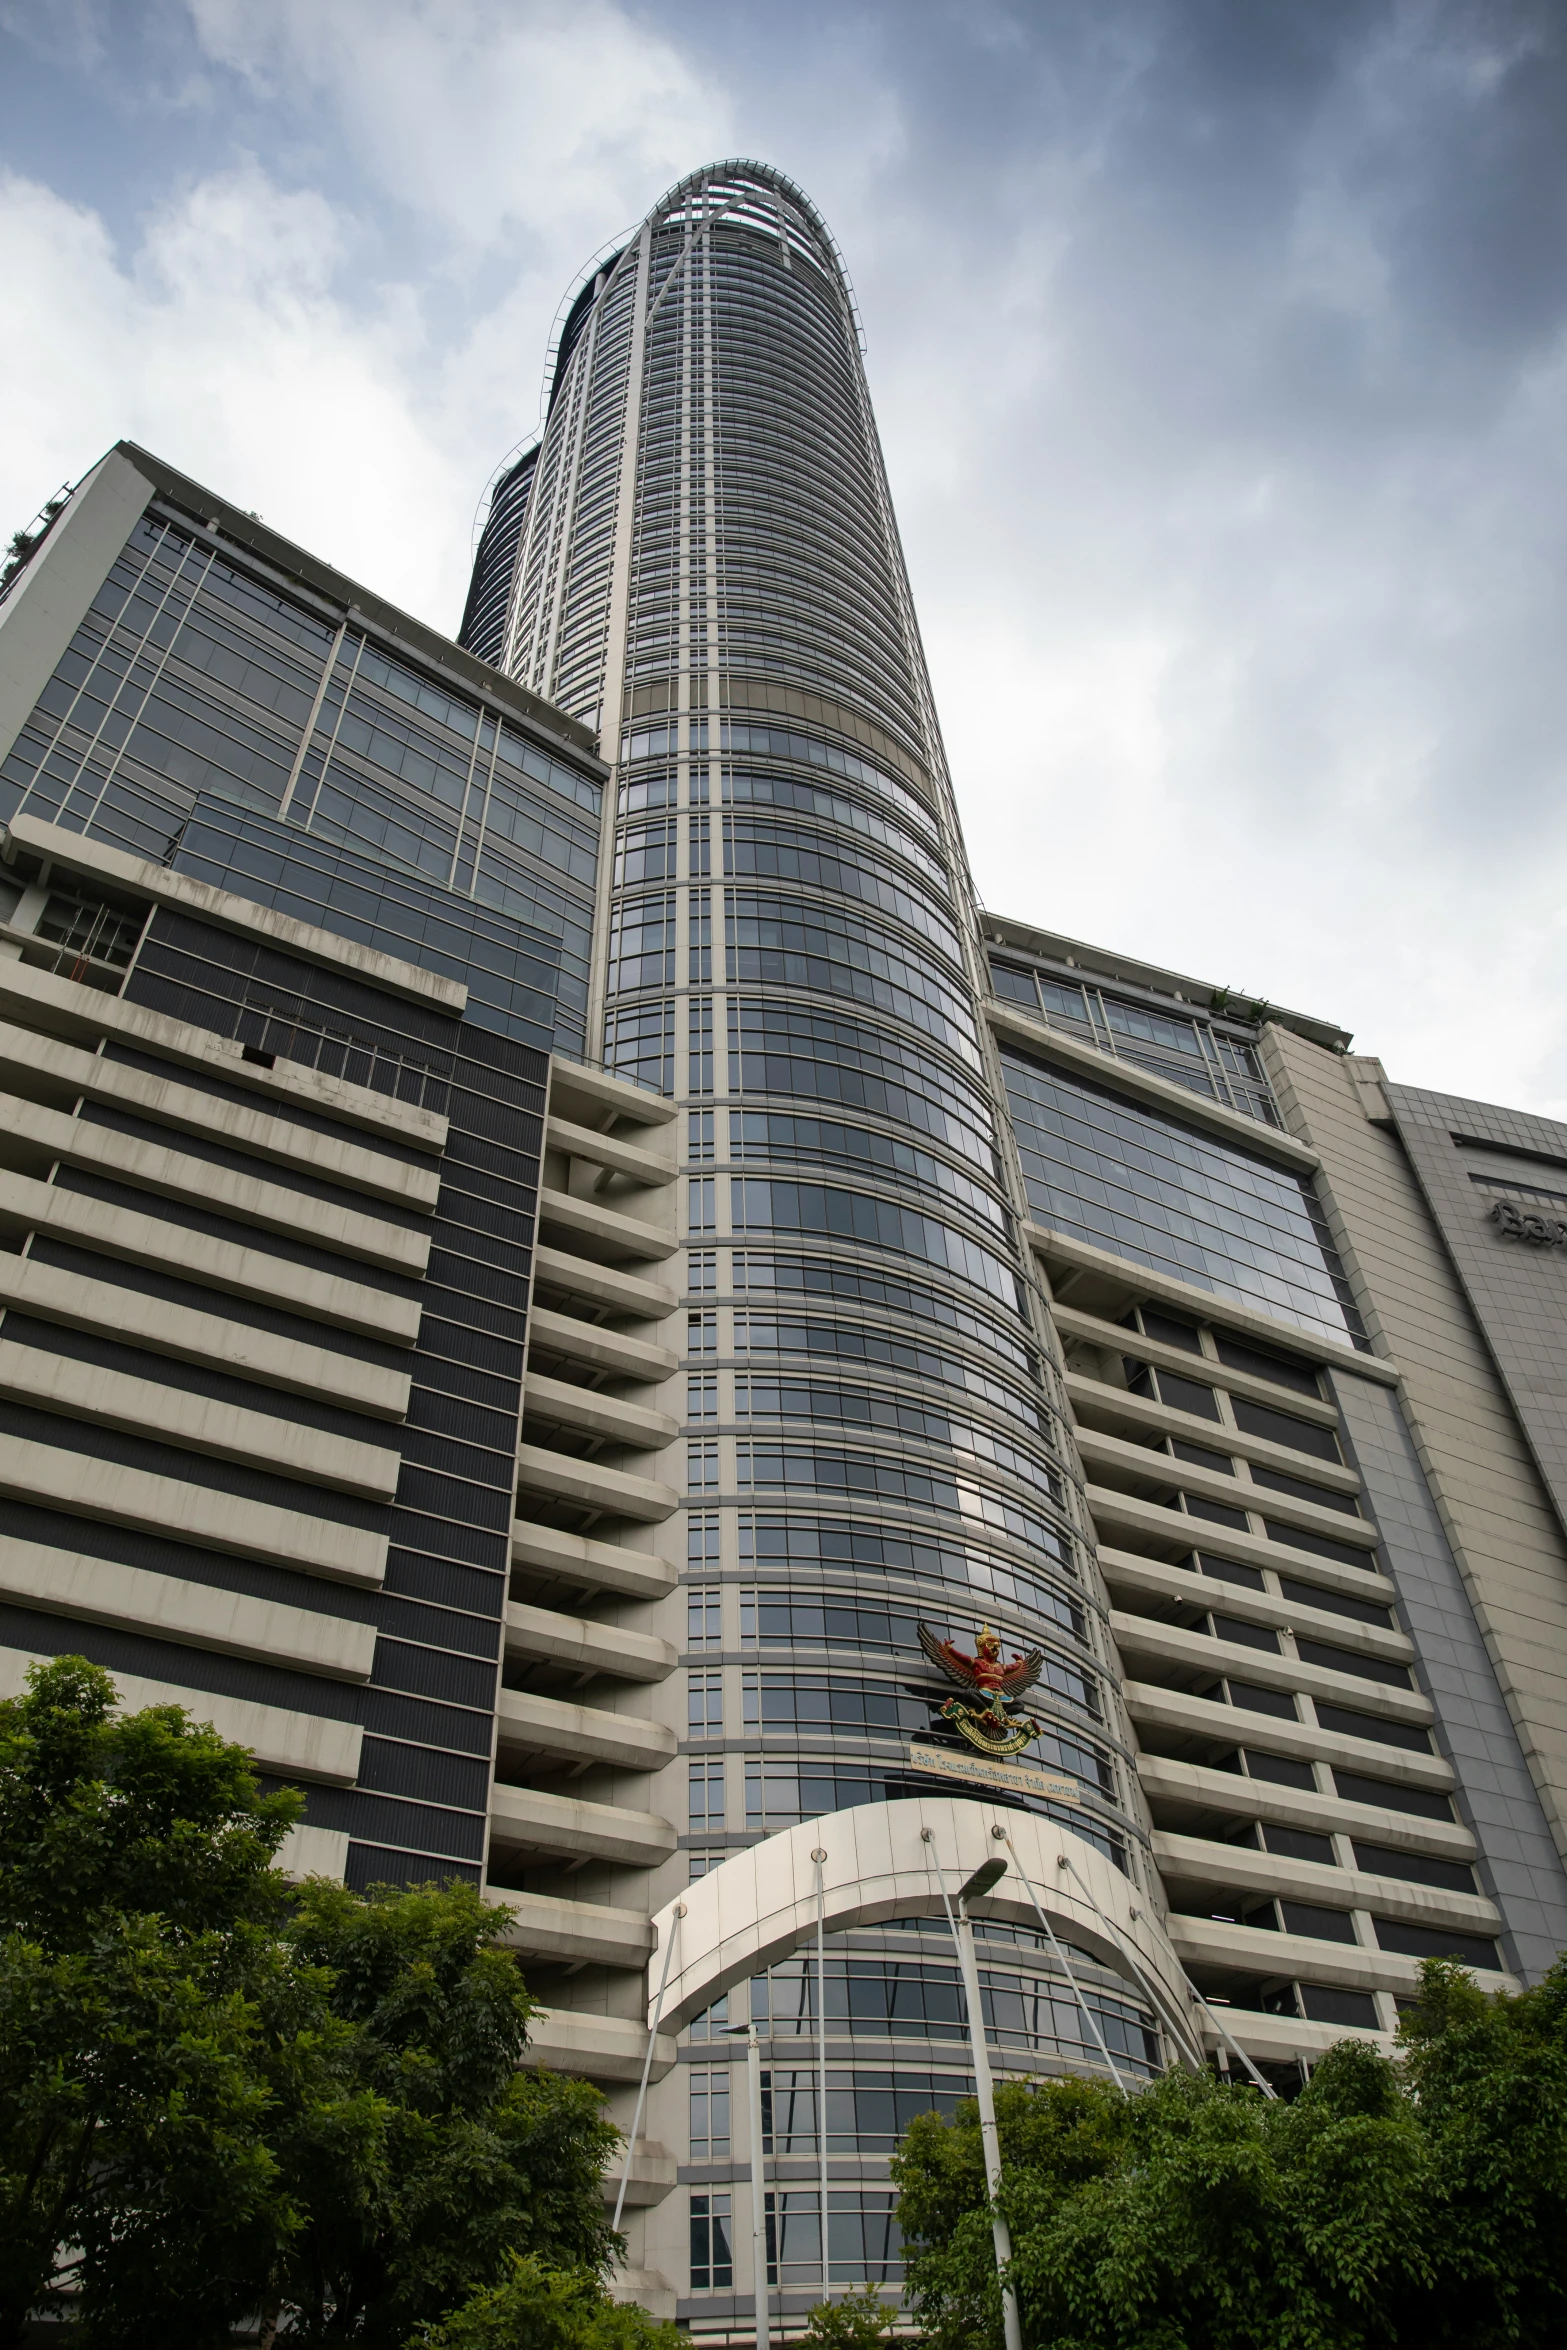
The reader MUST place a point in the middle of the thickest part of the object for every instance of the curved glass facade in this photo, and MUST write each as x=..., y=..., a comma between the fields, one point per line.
x=876, y=1428
x=483, y=629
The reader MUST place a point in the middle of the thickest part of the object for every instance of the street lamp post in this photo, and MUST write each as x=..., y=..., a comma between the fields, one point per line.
x=977, y=1886
x=753, y=2086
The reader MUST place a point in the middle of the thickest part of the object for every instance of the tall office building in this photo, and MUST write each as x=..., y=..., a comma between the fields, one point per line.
x=544, y=1123
x=874, y=1427
x=1020, y=1283
x=296, y=915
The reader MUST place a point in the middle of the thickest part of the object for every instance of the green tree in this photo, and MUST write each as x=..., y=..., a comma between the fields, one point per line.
x=24, y=543
x=859, y=2320
x=1488, y=2076
x=228, y=2096
x=478, y=2161
x=149, y=2018
x=1054, y=2140
x=1410, y=2203
x=539, y=2308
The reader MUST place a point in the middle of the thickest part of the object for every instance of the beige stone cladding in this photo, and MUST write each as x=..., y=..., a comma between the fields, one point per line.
x=1497, y=1515
x=1301, y=1813
x=1302, y=1822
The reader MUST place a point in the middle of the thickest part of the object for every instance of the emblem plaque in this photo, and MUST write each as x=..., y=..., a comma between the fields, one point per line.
x=988, y=1715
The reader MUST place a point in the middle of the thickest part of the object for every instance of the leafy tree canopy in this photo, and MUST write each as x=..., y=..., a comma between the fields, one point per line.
x=224, y=2097
x=539, y=2308
x=859, y=2320
x=1391, y=2206
x=476, y=2161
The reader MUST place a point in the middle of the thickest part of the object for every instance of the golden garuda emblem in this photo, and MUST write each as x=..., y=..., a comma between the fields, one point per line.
x=987, y=1717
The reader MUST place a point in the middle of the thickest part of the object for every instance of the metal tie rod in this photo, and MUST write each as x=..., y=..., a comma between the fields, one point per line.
x=1089, y=2016
x=647, y=2067
x=1264, y=2085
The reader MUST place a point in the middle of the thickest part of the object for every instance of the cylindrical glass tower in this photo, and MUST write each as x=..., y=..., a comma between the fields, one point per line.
x=876, y=1431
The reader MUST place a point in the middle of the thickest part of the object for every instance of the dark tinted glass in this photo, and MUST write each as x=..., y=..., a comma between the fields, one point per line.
x=1421, y=1803
x=1415, y=1868
x=1141, y=1185
x=1260, y=1419
x=1239, y=1357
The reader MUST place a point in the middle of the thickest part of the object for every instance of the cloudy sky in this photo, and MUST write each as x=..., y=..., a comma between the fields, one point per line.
x=1219, y=347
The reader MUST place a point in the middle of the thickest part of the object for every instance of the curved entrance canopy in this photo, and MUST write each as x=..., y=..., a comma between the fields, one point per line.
x=761, y=1904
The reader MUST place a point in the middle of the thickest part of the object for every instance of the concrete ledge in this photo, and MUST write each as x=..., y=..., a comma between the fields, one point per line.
x=101, y=1591
x=65, y=1007
x=586, y=1646
x=314, y=1852
x=222, y=1431
x=1114, y=1507
x=1230, y=1725
x=584, y=1933
x=1204, y=1305
x=602, y=1285
x=526, y=1819
x=1114, y=1338
x=1124, y=1571
x=1111, y=1075
x=1120, y=1453
x=606, y=1350
x=185, y=1109
x=72, y=852
x=71, y=1299
x=218, y=1264
x=1126, y=1513
x=605, y=1228
x=592, y=1566
x=648, y=2288
x=1299, y=1807
x=1169, y=1644
x=599, y=2047
x=1141, y=1411
x=88, y=1488
x=578, y=1092
x=552, y=1725
x=171, y=1173
x=654, y=2174
x=1233, y=1869
x=608, y=1150
x=592, y=1487
x=1133, y=1570
x=295, y=1745
x=559, y=1404
x=1281, y=2039
x=1209, y=1942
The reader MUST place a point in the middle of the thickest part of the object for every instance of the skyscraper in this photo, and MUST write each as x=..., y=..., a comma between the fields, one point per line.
x=669, y=1278
x=1022, y=1283
x=875, y=1431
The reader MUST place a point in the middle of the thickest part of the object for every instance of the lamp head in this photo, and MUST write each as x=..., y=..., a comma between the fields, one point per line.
x=985, y=1876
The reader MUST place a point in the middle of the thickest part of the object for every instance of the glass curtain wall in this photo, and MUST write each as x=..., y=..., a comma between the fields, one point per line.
x=875, y=1430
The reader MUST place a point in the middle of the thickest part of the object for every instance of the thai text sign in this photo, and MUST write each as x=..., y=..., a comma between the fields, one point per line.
x=979, y=1771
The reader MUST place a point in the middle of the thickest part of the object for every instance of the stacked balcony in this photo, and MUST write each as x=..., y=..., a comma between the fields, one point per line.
x=1303, y=1818
x=572, y=1828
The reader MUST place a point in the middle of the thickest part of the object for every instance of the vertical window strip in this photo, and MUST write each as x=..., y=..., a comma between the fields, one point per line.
x=307, y=731
x=310, y=797
x=139, y=653
x=144, y=558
